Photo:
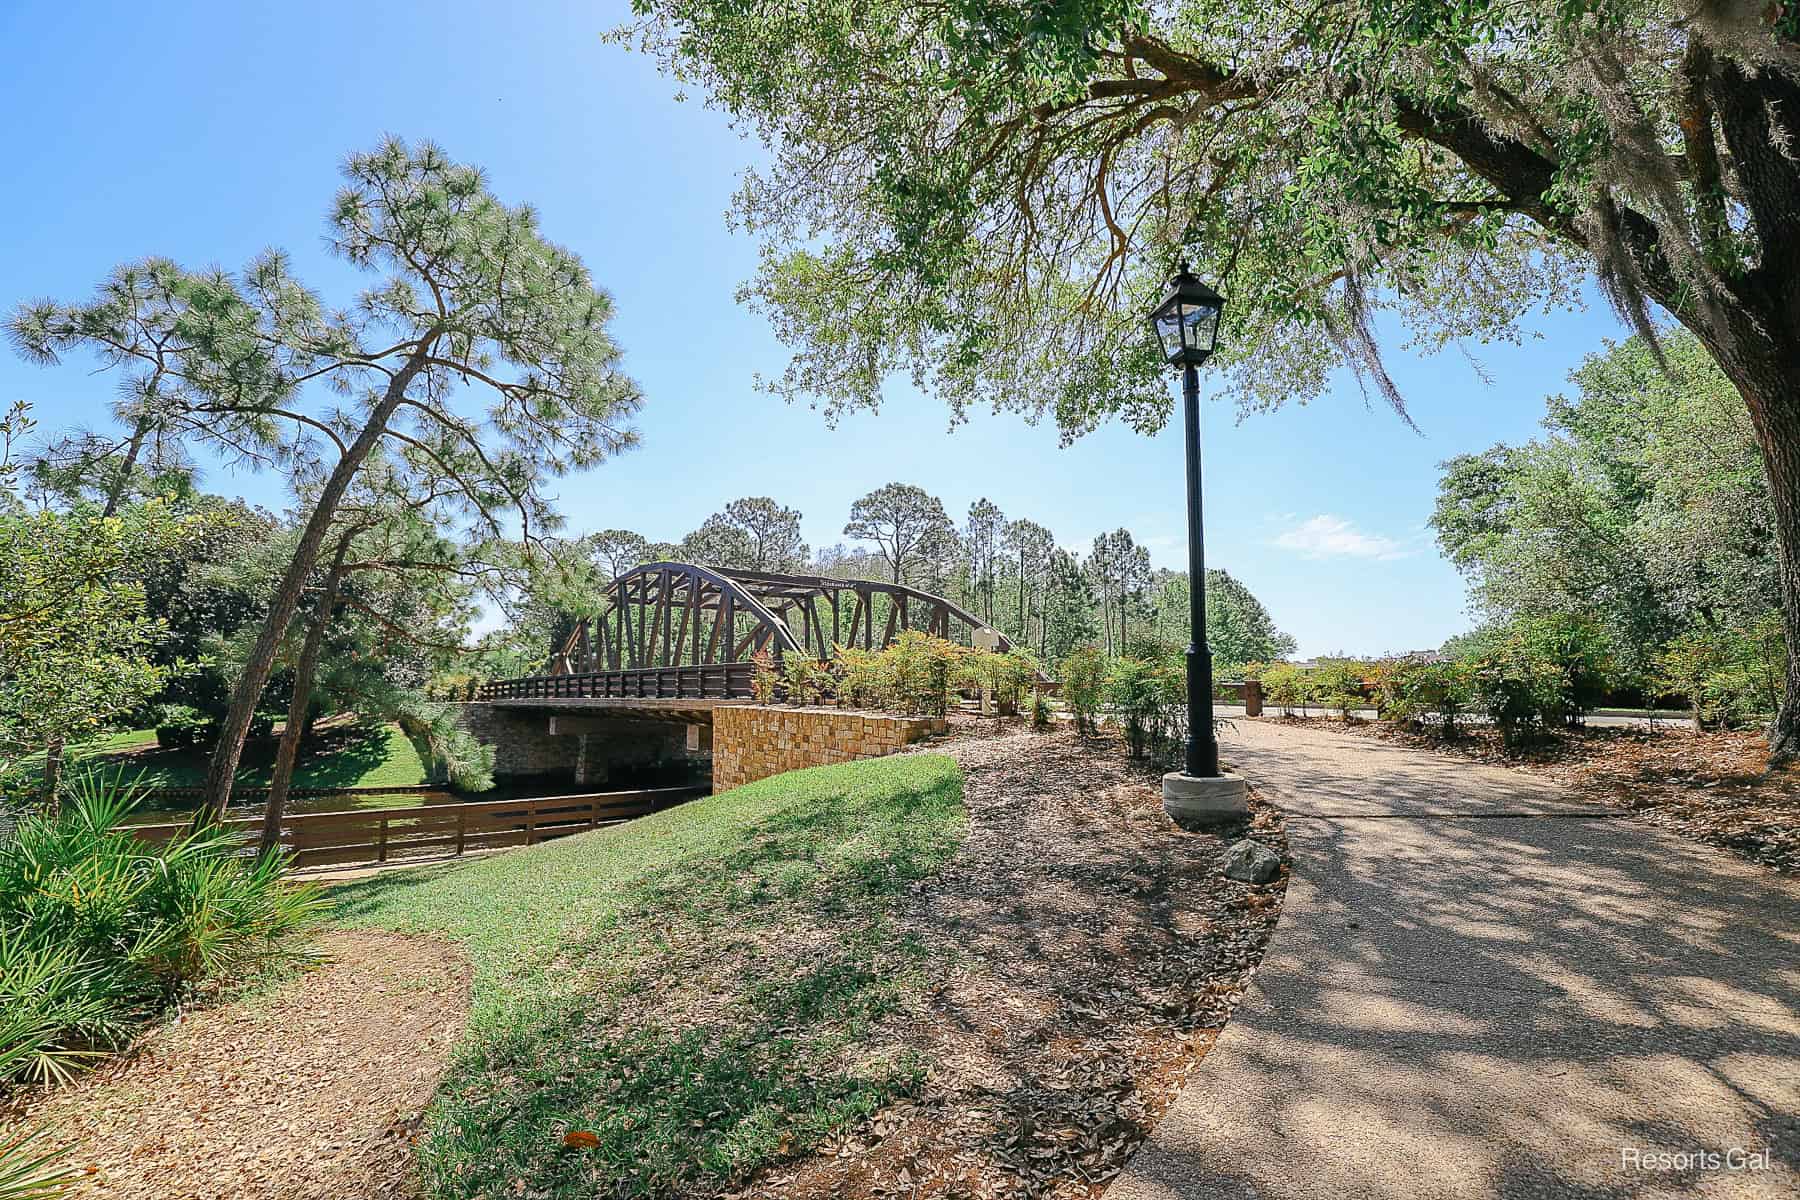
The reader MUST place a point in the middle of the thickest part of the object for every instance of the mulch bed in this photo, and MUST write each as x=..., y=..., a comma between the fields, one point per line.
x=1712, y=787
x=310, y=1091
x=1092, y=949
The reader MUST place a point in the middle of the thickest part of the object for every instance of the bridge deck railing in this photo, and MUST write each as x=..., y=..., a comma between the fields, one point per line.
x=718, y=681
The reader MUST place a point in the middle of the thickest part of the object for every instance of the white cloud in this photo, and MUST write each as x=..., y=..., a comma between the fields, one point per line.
x=1328, y=536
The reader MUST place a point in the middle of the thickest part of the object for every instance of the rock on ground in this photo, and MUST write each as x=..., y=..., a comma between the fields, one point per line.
x=1251, y=862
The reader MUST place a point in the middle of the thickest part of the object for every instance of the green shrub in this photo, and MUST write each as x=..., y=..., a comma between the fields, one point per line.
x=1150, y=698
x=59, y=1011
x=1757, y=675
x=1726, y=675
x=1008, y=676
x=914, y=675
x=804, y=679
x=1040, y=711
x=453, y=686
x=180, y=727
x=1537, y=675
x=1084, y=673
x=1286, y=685
x=1341, y=683
x=798, y=679
x=864, y=678
x=1411, y=691
x=99, y=930
x=1693, y=667
x=920, y=669
x=765, y=680
x=1151, y=648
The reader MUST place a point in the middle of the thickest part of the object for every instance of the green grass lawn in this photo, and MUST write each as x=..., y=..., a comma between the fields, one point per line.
x=342, y=755
x=697, y=989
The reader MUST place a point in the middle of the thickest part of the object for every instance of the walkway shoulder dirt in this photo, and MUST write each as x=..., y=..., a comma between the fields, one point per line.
x=1086, y=953
x=311, y=1091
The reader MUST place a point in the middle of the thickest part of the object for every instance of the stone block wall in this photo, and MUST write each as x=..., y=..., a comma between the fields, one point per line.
x=753, y=741
x=523, y=744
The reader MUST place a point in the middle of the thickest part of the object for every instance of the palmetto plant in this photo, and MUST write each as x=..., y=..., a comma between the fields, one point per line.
x=59, y=1011
x=99, y=930
x=30, y=1170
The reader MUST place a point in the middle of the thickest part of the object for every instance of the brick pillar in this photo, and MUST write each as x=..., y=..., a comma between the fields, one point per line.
x=1253, y=698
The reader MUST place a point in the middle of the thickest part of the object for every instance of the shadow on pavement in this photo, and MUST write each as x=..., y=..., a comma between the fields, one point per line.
x=1460, y=1002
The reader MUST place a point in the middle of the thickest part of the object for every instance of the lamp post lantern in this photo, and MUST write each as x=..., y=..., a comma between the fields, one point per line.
x=1186, y=325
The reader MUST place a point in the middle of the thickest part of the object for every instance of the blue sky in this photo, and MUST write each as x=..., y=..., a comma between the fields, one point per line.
x=207, y=132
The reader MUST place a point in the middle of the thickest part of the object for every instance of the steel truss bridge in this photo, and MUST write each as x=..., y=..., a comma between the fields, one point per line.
x=678, y=631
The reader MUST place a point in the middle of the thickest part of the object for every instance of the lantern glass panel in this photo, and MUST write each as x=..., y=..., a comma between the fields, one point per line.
x=1199, y=326
x=1167, y=326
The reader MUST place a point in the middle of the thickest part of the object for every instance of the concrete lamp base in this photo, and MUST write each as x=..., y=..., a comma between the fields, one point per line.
x=1201, y=801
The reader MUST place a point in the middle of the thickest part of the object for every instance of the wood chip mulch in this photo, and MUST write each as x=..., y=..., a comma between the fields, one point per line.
x=1713, y=787
x=1093, y=951
x=310, y=1091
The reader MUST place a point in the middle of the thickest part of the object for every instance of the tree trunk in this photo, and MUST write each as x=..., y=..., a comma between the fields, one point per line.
x=53, y=767
x=222, y=771
x=1781, y=458
x=296, y=727
x=122, y=479
x=1044, y=624
x=1122, y=601
x=1766, y=372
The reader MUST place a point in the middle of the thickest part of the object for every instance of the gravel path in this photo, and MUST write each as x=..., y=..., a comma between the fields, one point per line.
x=1482, y=988
x=309, y=1092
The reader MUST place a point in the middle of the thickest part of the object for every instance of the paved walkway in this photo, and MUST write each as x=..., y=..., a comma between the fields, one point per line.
x=1480, y=988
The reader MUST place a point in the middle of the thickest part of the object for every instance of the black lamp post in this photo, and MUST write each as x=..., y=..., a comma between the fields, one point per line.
x=1186, y=324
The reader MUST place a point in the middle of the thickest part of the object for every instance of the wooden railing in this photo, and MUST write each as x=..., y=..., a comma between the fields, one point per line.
x=721, y=681
x=377, y=835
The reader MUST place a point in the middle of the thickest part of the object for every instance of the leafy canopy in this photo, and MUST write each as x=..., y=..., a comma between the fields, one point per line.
x=988, y=195
x=465, y=293
x=77, y=647
x=1644, y=510
x=907, y=524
